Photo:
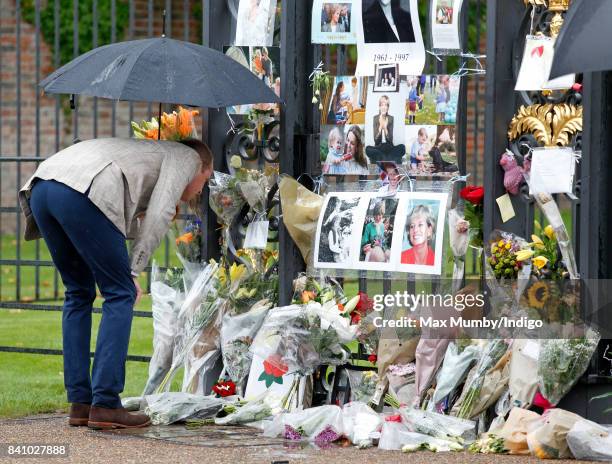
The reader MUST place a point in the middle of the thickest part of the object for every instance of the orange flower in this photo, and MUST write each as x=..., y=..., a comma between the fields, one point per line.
x=168, y=126
x=185, y=238
x=307, y=296
x=184, y=121
x=151, y=134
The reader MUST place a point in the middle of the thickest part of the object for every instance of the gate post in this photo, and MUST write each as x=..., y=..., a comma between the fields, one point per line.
x=503, y=23
x=216, y=32
x=296, y=121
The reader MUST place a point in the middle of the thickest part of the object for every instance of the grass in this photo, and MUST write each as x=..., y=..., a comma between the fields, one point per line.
x=33, y=384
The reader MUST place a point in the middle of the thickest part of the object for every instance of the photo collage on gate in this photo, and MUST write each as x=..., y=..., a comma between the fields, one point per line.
x=405, y=120
x=389, y=117
x=364, y=231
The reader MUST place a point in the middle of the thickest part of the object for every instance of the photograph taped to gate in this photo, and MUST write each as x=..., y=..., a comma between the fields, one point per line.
x=333, y=22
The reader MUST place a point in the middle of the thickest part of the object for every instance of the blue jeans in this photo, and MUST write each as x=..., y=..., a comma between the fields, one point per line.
x=88, y=249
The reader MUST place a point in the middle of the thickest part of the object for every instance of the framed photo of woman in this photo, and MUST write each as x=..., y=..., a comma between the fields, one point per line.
x=420, y=224
x=387, y=78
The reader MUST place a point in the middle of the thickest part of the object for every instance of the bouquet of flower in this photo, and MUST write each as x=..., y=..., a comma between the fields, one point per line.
x=458, y=232
x=491, y=354
x=322, y=425
x=198, y=310
x=237, y=333
x=363, y=385
x=302, y=337
x=251, y=282
x=474, y=213
x=166, y=295
x=438, y=425
x=489, y=444
x=454, y=370
x=225, y=198
x=562, y=362
x=174, y=126
x=170, y=407
x=260, y=408
x=189, y=241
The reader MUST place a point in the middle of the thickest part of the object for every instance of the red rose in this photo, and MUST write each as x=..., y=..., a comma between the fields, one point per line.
x=394, y=418
x=372, y=358
x=365, y=303
x=355, y=317
x=275, y=366
x=473, y=194
x=225, y=388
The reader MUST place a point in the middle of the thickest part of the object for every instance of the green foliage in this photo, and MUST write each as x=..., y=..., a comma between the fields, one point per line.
x=85, y=25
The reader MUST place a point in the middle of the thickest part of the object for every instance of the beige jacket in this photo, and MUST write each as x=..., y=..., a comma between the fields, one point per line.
x=126, y=178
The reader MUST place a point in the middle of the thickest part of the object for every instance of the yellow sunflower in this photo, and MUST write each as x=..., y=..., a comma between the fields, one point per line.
x=538, y=294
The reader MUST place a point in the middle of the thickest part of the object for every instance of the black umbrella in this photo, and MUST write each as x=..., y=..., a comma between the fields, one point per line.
x=160, y=70
x=584, y=42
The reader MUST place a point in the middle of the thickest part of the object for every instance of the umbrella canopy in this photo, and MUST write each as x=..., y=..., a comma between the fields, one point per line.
x=160, y=70
x=584, y=42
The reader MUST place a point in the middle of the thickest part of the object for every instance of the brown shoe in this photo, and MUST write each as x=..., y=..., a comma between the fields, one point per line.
x=120, y=418
x=79, y=414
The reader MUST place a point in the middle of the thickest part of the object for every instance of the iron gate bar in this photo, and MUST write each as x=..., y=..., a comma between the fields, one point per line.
x=57, y=308
x=12, y=349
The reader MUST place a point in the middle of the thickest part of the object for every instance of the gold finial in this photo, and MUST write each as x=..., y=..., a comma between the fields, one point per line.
x=552, y=125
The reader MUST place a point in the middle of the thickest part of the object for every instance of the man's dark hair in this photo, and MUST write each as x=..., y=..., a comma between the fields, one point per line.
x=205, y=153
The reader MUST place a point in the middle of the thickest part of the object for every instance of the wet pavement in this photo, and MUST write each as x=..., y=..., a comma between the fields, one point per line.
x=207, y=444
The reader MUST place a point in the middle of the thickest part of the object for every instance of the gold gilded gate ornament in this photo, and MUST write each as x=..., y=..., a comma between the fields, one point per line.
x=556, y=6
x=551, y=125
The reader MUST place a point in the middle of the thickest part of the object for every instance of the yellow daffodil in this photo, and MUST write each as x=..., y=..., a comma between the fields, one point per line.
x=540, y=261
x=236, y=271
x=549, y=232
x=222, y=276
x=500, y=244
x=537, y=242
x=508, y=246
x=524, y=255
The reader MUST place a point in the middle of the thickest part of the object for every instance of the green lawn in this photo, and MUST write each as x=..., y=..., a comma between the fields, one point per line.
x=32, y=383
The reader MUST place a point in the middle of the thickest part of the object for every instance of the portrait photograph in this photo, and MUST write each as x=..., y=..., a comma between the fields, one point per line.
x=431, y=150
x=377, y=234
x=255, y=23
x=384, y=123
x=389, y=31
x=264, y=62
x=342, y=150
x=347, y=102
x=444, y=11
x=387, y=78
x=444, y=22
x=421, y=227
x=333, y=22
x=432, y=99
x=387, y=21
x=335, y=238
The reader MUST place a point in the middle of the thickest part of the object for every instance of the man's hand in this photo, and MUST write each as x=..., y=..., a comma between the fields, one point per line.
x=138, y=290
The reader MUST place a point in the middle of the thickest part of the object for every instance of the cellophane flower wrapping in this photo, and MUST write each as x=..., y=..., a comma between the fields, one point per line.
x=397, y=436
x=549, y=207
x=321, y=425
x=457, y=362
x=245, y=284
x=199, y=309
x=167, y=297
x=237, y=334
x=459, y=240
x=547, y=436
x=360, y=423
x=590, y=441
x=305, y=336
x=562, y=362
x=363, y=384
x=490, y=355
x=261, y=408
x=225, y=197
x=170, y=407
x=440, y=426
x=506, y=292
